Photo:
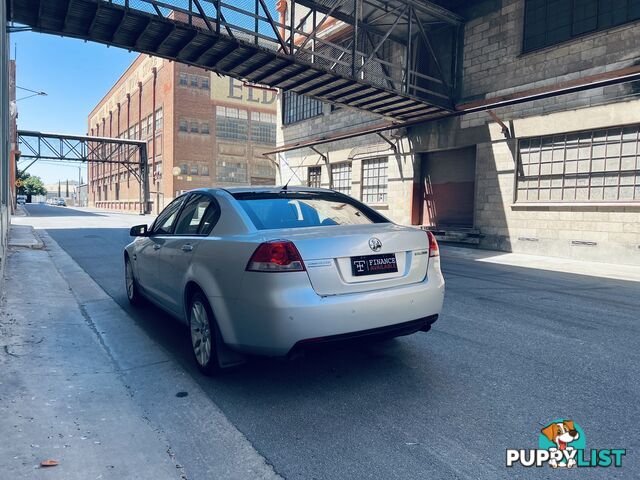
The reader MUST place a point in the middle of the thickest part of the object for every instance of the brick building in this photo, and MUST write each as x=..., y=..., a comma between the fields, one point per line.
x=562, y=179
x=201, y=129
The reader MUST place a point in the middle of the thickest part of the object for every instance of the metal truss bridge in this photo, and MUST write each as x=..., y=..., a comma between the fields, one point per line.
x=127, y=155
x=395, y=58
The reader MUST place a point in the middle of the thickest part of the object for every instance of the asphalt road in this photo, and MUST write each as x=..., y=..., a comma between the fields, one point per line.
x=514, y=349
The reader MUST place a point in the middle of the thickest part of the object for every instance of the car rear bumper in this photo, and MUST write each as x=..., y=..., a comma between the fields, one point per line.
x=282, y=311
x=389, y=331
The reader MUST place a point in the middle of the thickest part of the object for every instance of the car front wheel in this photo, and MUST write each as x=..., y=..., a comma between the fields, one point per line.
x=133, y=293
x=203, y=335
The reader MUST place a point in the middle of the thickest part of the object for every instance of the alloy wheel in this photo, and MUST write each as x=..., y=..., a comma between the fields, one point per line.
x=200, y=333
x=129, y=281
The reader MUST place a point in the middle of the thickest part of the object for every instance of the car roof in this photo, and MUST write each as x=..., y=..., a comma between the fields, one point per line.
x=268, y=189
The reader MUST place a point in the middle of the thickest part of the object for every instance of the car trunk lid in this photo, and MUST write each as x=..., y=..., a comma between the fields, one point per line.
x=327, y=252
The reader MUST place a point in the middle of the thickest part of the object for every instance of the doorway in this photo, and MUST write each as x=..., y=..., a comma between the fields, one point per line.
x=447, y=189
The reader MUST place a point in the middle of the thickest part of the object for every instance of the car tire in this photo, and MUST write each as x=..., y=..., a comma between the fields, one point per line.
x=131, y=284
x=203, y=332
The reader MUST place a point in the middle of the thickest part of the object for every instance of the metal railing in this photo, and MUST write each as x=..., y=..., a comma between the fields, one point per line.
x=389, y=48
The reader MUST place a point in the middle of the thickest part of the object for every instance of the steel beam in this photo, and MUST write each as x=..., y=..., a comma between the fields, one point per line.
x=616, y=77
x=84, y=148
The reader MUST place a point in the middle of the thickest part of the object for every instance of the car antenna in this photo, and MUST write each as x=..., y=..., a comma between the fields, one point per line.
x=284, y=189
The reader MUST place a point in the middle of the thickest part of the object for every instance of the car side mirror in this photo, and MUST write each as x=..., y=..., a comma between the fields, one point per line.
x=139, y=231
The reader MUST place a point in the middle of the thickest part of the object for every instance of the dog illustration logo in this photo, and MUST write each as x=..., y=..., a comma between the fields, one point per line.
x=562, y=434
x=562, y=444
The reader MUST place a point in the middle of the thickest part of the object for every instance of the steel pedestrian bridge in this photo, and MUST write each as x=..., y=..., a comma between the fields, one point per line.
x=395, y=58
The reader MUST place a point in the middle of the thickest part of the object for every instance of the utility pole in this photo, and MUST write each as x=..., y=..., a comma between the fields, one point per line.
x=59, y=189
x=78, y=190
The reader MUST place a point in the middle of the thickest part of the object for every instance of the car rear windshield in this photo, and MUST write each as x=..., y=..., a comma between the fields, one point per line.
x=304, y=209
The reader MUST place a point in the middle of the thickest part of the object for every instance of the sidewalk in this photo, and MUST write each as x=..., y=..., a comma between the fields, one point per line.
x=564, y=265
x=82, y=384
x=61, y=397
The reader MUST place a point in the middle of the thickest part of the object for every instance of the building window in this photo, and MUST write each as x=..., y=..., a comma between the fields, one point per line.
x=183, y=82
x=232, y=172
x=184, y=127
x=183, y=169
x=314, y=175
x=194, y=170
x=298, y=107
x=158, y=145
x=205, y=170
x=204, y=128
x=263, y=128
x=547, y=22
x=374, y=180
x=591, y=166
x=193, y=80
x=231, y=123
x=149, y=125
x=263, y=172
x=193, y=127
x=341, y=177
x=159, y=119
x=204, y=83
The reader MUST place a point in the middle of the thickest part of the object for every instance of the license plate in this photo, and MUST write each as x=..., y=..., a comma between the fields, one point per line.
x=373, y=264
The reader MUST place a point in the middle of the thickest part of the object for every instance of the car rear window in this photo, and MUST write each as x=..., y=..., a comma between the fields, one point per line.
x=304, y=209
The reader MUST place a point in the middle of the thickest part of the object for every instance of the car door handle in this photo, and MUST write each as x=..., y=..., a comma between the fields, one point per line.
x=157, y=247
x=187, y=248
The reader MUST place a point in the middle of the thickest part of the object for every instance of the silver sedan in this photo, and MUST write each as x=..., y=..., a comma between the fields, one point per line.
x=272, y=271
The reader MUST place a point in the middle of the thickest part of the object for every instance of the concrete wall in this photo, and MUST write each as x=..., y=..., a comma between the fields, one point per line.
x=4, y=135
x=607, y=232
x=493, y=65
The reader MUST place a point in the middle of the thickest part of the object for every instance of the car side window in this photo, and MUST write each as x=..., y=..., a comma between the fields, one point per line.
x=210, y=218
x=167, y=218
x=193, y=214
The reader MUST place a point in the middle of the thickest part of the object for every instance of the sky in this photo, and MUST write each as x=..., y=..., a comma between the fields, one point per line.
x=75, y=75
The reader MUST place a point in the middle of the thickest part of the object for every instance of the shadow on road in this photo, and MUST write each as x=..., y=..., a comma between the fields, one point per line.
x=43, y=210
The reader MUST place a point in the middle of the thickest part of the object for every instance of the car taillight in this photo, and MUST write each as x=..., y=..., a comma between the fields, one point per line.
x=434, y=250
x=276, y=256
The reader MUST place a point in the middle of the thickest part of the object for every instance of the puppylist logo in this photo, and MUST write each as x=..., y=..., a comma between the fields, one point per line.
x=562, y=444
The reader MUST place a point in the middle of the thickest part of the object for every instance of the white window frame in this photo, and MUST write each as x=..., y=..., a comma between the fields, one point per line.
x=341, y=177
x=375, y=180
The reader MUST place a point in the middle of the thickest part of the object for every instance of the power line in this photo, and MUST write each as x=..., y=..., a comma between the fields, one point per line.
x=34, y=92
x=29, y=90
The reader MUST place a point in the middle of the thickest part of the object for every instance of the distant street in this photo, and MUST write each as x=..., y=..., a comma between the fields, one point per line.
x=514, y=349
